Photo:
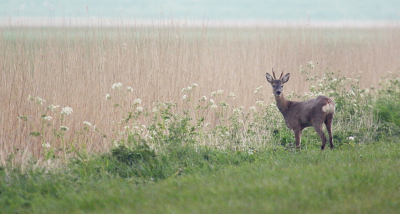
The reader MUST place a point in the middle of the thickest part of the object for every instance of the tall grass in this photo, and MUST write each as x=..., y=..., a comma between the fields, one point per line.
x=76, y=67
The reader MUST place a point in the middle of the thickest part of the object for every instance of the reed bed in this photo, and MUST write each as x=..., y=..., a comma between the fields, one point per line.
x=76, y=67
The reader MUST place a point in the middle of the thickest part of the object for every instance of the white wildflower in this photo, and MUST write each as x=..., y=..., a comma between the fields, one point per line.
x=211, y=101
x=40, y=101
x=253, y=109
x=86, y=123
x=203, y=98
x=213, y=93
x=183, y=89
x=126, y=127
x=137, y=101
x=260, y=103
x=108, y=96
x=139, y=109
x=189, y=88
x=117, y=86
x=320, y=85
x=184, y=97
x=195, y=85
x=259, y=88
x=311, y=64
x=66, y=110
x=350, y=138
x=232, y=95
x=143, y=126
x=52, y=107
x=214, y=106
x=236, y=110
x=64, y=128
x=334, y=80
x=47, y=118
x=30, y=98
x=154, y=110
x=129, y=89
x=46, y=145
x=219, y=92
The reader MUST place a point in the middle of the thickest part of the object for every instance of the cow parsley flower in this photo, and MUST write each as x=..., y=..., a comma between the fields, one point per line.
x=137, y=101
x=129, y=89
x=139, y=109
x=214, y=106
x=52, y=107
x=46, y=145
x=30, y=98
x=47, y=118
x=40, y=101
x=117, y=86
x=66, y=110
x=108, y=96
x=86, y=123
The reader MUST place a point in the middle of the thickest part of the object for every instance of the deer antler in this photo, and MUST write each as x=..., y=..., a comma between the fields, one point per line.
x=273, y=73
x=281, y=75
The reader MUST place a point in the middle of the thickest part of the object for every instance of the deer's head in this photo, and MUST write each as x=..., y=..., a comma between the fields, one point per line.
x=277, y=84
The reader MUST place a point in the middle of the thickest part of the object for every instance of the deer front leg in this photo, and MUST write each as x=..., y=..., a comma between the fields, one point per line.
x=297, y=135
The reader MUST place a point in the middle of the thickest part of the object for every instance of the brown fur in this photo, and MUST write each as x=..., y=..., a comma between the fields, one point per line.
x=299, y=115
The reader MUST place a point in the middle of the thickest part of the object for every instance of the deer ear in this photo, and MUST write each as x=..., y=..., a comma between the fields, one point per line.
x=269, y=77
x=285, y=78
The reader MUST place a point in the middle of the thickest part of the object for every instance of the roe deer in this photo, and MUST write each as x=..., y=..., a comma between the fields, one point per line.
x=299, y=115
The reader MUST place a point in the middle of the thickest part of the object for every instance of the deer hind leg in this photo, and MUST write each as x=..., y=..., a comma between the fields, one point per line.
x=328, y=124
x=318, y=129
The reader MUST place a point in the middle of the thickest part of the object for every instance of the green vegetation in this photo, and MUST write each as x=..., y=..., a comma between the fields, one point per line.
x=238, y=161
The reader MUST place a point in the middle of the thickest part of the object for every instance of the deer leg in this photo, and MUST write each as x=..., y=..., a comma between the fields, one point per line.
x=328, y=124
x=318, y=129
x=297, y=135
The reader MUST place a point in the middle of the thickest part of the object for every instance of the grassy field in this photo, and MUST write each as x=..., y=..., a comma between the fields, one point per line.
x=180, y=119
x=359, y=179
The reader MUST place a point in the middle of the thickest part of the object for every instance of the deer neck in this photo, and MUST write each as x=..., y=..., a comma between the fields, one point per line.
x=282, y=103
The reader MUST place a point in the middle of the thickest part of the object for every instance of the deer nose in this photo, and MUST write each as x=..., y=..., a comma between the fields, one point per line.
x=278, y=93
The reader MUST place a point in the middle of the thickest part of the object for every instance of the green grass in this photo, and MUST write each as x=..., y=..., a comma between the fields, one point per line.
x=359, y=179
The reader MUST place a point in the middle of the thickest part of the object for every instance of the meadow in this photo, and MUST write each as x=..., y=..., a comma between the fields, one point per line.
x=181, y=119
